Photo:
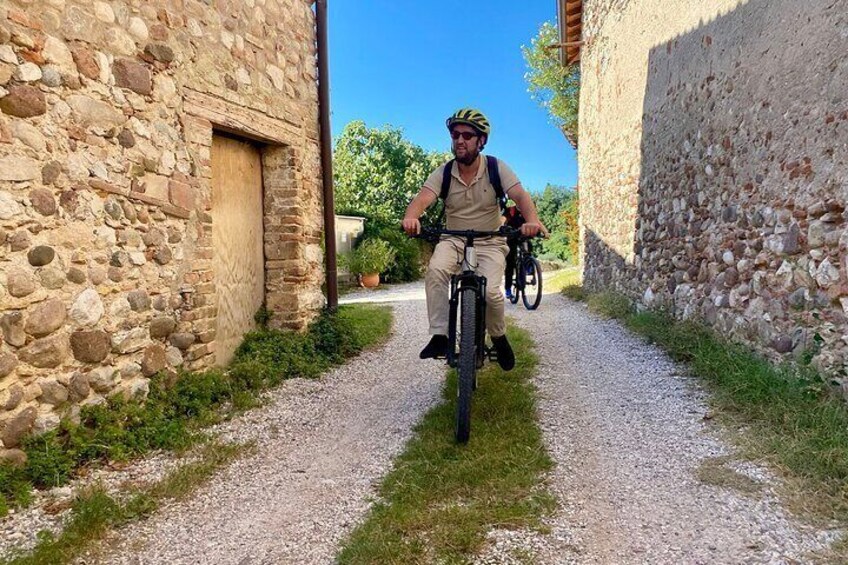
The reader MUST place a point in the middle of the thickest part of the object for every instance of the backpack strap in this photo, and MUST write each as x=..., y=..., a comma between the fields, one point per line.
x=443, y=193
x=446, y=180
x=495, y=180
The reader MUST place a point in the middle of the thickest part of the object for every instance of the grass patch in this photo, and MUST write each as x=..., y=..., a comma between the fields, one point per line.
x=182, y=481
x=574, y=292
x=441, y=499
x=714, y=471
x=786, y=415
x=609, y=305
x=371, y=324
x=95, y=512
x=558, y=280
x=179, y=406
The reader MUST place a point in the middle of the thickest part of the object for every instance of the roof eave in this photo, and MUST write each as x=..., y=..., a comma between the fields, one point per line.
x=570, y=23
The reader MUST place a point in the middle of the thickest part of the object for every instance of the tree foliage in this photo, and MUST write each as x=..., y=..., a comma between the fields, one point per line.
x=570, y=214
x=377, y=172
x=555, y=87
x=557, y=208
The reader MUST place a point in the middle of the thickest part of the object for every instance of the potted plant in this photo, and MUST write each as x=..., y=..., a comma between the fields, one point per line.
x=368, y=260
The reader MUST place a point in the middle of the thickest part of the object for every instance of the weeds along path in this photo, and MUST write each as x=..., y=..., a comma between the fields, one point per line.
x=637, y=466
x=321, y=446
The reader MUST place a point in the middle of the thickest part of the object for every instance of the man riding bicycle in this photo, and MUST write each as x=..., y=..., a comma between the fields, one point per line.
x=471, y=203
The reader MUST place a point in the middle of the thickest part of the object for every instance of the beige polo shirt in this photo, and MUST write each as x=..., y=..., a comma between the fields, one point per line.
x=474, y=206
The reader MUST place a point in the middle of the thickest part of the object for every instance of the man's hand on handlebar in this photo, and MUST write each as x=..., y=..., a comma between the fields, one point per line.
x=531, y=229
x=412, y=226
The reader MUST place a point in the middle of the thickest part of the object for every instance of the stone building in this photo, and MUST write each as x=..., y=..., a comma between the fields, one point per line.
x=159, y=180
x=714, y=165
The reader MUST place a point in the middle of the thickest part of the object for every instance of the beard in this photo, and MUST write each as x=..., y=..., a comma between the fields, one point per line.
x=469, y=157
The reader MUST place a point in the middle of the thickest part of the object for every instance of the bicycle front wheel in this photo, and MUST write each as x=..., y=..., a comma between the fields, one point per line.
x=467, y=366
x=532, y=293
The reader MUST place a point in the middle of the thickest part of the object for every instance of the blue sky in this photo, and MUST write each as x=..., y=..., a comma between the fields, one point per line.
x=412, y=63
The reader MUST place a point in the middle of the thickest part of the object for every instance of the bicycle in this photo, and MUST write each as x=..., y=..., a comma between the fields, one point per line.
x=527, y=279
x=468, y=301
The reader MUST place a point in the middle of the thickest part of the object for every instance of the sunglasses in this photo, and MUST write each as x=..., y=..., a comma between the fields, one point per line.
x=466, y=135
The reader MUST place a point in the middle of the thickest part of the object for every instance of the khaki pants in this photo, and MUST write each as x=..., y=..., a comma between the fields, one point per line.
x=446, y=260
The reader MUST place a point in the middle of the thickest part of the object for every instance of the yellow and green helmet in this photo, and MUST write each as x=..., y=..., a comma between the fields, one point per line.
x=471, y=117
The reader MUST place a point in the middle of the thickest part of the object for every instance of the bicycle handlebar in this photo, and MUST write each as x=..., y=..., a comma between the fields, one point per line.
x=430, y=233
x=433, y=234
x=503, y=232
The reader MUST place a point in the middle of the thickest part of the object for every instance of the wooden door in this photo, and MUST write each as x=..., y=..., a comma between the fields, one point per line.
x=237, y=238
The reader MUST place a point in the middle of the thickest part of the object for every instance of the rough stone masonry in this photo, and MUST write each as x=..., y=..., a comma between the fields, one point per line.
x=714, y=166
x=107, y=111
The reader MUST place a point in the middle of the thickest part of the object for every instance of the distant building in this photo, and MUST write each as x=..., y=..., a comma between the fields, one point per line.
x=348, y=228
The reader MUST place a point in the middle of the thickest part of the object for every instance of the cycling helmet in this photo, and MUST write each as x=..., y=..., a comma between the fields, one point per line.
x=471, y=117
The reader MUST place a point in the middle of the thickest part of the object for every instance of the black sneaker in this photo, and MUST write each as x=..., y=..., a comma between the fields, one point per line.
x=438, y=347
x=506, y=358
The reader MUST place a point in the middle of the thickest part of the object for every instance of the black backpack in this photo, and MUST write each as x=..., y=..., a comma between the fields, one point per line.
x=494, y=179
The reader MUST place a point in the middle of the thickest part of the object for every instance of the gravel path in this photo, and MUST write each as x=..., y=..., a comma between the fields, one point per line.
x=323, y=445
x=626, y=428
x=624, y=424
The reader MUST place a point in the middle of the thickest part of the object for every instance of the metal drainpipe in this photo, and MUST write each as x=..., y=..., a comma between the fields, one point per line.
x=326, y=155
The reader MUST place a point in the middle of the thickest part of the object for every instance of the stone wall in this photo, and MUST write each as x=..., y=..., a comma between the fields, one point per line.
x=714, y=166
x=107, y=111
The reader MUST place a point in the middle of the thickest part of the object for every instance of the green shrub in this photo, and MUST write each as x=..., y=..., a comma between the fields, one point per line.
x=194, y=394
x=48, y=463
x=371, y=256
x=330, y=339
x=253, y=375
x=290, y=354
x=558, y=211
x=374, y=227
x=406, y=266
x=123, y=429
x=407, y=262
x=334, y=337
x=14, y=487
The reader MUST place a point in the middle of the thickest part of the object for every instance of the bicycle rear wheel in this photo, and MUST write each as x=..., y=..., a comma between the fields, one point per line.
x=532, y=292
x=467, y=366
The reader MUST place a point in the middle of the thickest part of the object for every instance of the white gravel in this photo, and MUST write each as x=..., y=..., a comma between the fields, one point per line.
x=626, y=428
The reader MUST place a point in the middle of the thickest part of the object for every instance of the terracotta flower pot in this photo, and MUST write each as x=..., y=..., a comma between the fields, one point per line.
x=371, y=280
